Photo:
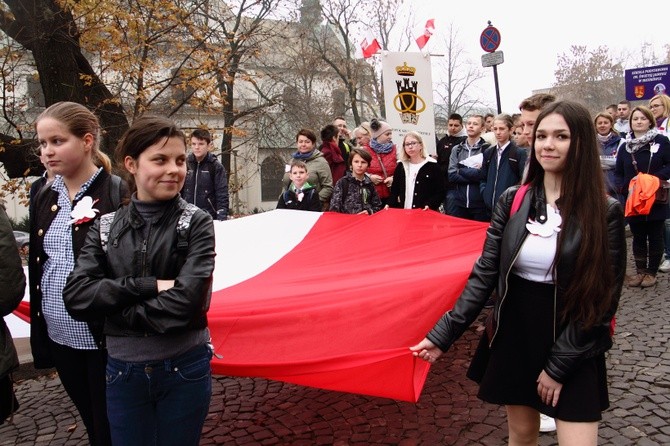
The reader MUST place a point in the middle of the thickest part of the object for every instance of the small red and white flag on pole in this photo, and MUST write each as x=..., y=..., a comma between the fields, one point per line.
x=422, y=40
x=369, y=46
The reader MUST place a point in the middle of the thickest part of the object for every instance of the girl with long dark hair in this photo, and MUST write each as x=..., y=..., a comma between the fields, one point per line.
x=558, y=263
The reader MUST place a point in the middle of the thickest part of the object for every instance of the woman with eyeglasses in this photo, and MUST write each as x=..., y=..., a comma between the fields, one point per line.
x=660, y=108
x=418, y=182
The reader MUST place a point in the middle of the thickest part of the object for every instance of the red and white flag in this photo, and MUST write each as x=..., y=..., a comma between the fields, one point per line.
x=428, y=31
x=330, y=300
x=369, y=46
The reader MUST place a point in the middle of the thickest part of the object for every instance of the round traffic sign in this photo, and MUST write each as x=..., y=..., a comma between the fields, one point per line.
x=490, y=39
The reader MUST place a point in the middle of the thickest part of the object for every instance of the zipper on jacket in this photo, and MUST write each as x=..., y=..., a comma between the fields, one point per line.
x=502, y=298
x=143, y=257
x=555, y=303
x=467, y=186
x=115, y=242
x=195, y=182
x=495, y=185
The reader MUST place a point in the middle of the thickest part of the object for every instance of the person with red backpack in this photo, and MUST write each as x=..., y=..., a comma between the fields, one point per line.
x=558, y=263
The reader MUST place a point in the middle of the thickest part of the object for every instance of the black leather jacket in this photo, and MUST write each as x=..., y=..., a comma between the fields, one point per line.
x=504, y=238
x=121, y=284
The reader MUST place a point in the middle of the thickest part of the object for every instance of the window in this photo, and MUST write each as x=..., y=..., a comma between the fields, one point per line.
x=35, y=93
x=272, y=173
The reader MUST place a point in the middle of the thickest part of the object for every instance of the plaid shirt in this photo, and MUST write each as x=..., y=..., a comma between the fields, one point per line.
x=58, y=245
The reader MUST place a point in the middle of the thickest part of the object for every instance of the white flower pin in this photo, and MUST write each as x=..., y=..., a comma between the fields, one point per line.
x=547, y=229
x=654, y=148
x=83, y=211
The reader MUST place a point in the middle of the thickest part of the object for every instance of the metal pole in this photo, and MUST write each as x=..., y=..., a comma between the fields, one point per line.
x=237, y=185
x=495, y=79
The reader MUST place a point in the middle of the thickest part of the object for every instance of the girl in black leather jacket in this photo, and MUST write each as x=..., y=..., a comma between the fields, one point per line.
x=558, y=263
x=148, y=270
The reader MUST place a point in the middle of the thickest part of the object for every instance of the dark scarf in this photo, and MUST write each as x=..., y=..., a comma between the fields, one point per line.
x=303, y=156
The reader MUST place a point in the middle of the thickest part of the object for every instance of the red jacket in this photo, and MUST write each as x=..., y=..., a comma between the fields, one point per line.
x=331, y=151
x=389, y=162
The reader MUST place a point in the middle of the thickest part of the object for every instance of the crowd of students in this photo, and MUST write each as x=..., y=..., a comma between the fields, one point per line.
x=479, y=159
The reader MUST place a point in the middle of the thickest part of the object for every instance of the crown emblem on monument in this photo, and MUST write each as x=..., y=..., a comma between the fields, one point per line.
x=405, y=70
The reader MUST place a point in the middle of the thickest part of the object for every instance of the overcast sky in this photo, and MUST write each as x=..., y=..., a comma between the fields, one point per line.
x=534, y=33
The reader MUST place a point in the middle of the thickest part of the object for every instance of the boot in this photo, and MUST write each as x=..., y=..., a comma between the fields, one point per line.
x=648, y=281
x=635, y=280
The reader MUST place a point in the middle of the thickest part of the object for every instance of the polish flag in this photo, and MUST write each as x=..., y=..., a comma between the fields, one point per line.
x=369, y=46
x=333, y=301
x=428, y=31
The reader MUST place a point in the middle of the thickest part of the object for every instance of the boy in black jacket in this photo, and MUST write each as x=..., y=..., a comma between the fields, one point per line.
x=206, y=184
x=300, y=195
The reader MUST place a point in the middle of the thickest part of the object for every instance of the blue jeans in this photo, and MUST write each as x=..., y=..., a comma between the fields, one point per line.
x=159, y=403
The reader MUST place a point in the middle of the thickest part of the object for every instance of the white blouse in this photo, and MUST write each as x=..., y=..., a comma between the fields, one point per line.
x=410, y=181
x=539, y=249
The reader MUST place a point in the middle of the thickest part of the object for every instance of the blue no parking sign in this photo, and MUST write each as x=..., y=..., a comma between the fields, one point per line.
x=490, y=39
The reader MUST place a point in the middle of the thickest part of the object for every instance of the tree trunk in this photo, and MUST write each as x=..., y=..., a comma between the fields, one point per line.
x=51, y=34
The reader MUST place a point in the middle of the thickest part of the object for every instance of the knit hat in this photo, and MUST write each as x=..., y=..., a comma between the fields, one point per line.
x=379, y=128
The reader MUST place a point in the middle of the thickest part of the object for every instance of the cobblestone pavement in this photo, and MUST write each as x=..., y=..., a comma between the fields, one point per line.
x=248, y=411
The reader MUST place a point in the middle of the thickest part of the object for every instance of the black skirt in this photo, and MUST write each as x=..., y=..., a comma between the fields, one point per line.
x=507, y=372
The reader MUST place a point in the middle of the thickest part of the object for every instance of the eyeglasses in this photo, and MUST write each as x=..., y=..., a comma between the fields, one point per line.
x=652, y=106
x=411, y=143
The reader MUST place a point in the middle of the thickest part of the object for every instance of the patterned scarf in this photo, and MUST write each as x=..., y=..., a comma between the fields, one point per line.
x=634, y=144
x=381, y=148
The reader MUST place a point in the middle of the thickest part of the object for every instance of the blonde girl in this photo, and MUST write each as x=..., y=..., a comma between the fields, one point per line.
x=61, y=214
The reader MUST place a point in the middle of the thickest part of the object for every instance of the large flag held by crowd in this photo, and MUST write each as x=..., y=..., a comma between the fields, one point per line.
x=332, y=300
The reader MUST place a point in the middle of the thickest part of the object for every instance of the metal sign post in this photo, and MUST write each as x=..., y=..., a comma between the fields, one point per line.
x=490, y=41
